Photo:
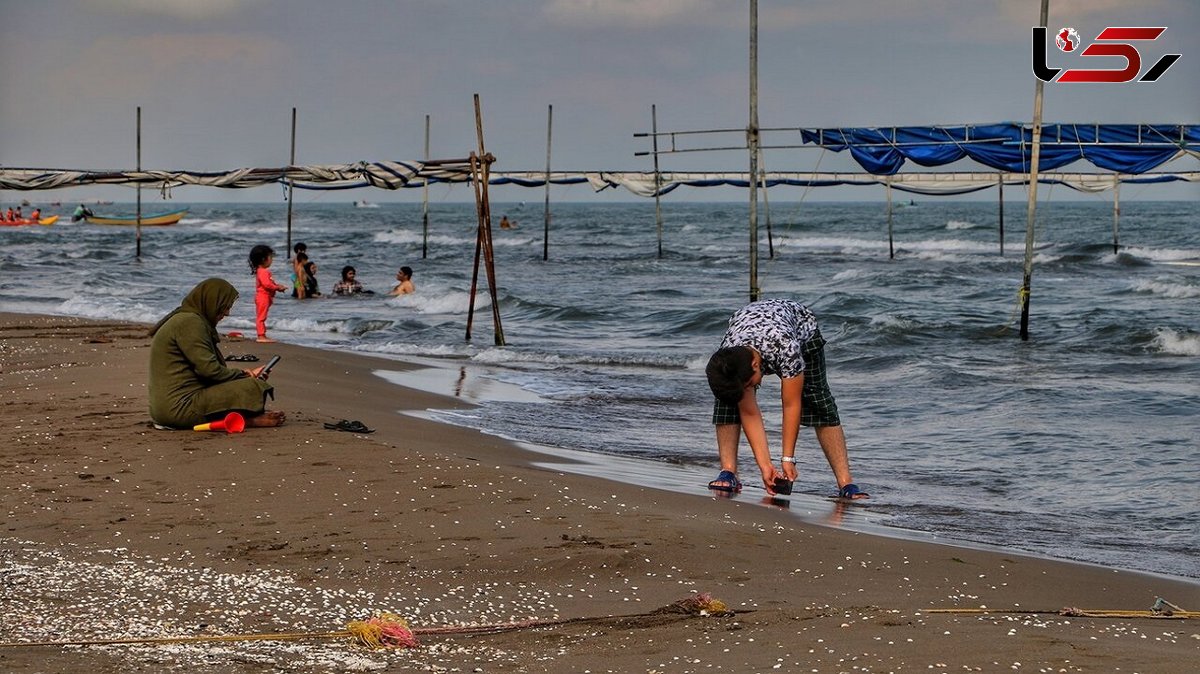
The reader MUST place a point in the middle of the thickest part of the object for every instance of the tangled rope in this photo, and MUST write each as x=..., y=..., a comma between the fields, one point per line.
x=388, y=630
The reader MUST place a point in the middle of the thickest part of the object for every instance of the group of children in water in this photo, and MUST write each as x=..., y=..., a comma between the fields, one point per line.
x=304, y=283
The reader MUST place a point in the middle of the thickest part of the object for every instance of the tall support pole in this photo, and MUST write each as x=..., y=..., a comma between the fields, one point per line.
x=1031, y=206
x=752, y=144
x=887, y=188
x=425, y=200
x=657, y=176
x=138, y=235
x=291, y=184
x=1000, y=182
x=1116, y=211
x=546, y=225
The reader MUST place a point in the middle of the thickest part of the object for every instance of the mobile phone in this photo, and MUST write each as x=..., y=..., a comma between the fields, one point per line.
x=267, y=368
x=782, y=486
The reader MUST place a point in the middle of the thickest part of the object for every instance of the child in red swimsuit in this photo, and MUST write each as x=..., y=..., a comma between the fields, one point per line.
x=265, y=287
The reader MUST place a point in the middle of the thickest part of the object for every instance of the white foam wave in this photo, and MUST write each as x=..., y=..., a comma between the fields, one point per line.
x=1175, y=343
x=960, y=224
x=850, y=275
x=1159, y=254
x=402, y=236
x=433, y=301
x=1169, y=289
x=107, y=308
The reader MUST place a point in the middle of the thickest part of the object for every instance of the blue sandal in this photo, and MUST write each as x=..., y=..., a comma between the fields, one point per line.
x=732, y=483
x=851, y=491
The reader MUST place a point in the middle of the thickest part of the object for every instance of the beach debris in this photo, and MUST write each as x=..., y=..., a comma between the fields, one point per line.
x=389, y=630
x=1161, y=609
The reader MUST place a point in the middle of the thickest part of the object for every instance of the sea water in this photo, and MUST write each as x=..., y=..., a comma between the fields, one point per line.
x=1079, y=443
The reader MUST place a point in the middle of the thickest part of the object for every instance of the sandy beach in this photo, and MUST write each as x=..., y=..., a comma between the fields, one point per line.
x=116, y=530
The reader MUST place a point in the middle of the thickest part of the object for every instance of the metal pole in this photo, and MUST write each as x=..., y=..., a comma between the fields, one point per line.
x=1031, y=206
x=752, y=144
x=291, y=185
x=657, y=176
x=1116, y=211
x=138, y=234
x=762, y=165
x=425, y=200
x=546, y=227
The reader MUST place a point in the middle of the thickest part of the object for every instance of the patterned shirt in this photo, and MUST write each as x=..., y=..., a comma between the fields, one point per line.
x=777, y=330
x=347, y=287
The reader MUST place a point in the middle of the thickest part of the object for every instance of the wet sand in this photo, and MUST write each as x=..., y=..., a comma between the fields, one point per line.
x=113, y=529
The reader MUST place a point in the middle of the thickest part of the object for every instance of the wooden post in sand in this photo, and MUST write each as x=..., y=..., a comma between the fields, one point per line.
x=752, y=145
x=291, y=185
x=480, y=170
x=138, y=234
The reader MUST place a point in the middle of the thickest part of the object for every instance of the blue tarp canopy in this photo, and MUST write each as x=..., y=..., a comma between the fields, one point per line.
x=1008, y=146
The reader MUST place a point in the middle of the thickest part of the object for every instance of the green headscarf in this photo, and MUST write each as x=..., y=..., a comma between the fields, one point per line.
x=211, y=298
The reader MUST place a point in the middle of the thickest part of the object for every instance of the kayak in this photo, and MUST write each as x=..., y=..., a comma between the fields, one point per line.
x=41, y=221
x=157, y=220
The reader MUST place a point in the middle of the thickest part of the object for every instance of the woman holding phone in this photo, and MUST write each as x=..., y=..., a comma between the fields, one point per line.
x=189, y=381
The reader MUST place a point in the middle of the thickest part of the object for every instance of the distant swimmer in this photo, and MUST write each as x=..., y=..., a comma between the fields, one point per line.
x=505, y=223
x=349, y=285
x=80, y=213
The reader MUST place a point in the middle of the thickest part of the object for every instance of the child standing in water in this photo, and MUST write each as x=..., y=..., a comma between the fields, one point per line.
x=265, y=288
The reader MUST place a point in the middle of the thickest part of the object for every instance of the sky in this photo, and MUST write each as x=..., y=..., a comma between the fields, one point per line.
x=217, y=80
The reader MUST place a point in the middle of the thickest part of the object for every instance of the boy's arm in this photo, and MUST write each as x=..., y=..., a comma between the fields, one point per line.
x=790, y=396
x=756, y=435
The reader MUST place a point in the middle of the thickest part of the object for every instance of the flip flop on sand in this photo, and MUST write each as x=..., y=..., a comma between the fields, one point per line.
x=249, y=358
x=851, y=492
x=731, y=482
x=350, y=427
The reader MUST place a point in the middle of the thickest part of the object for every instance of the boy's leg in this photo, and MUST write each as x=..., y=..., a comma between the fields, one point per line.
x=833, y=444
x=727, y=445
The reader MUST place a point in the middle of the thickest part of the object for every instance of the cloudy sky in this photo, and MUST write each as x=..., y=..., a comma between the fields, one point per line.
x=217, y=79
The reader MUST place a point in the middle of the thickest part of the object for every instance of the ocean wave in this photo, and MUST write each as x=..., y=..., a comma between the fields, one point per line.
x=106, y=308
x=500, y=356
x=1156, y=254
x=1176, y=343
x=1171, y=289
x=960, y=224
x=433, y=301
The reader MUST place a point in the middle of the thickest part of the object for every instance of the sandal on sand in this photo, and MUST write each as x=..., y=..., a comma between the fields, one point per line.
x=732, y=483
x=851, y=491
x=249, y=358
x=350, y=427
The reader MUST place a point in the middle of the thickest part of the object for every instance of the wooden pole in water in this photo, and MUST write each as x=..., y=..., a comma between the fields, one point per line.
x=138, y=234
x=475, y=177
x=489, y=257
x=546, y=224
x=425, y=200
x=1000, y=182
x=1116, y=211
x=752, y=145
x=762, y=166
x=1031, y=206
x=887, y=188
x=291, y=185
x=657, y=176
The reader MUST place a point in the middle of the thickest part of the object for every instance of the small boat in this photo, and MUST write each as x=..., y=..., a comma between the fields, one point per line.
x=363, y=203
x=157, y=220
x=41, y=221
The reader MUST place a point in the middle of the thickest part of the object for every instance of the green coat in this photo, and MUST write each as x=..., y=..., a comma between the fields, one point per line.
x=189, y=382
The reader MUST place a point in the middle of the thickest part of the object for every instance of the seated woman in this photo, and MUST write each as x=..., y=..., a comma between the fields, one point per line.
x=189, y=382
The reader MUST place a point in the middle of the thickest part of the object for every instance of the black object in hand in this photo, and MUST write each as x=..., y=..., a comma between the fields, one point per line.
x=783, y=486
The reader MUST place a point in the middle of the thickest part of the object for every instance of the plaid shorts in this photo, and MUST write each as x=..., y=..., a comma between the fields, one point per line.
x=817, y=406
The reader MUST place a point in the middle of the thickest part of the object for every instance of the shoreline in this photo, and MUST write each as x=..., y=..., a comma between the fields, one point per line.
x=447, y=525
